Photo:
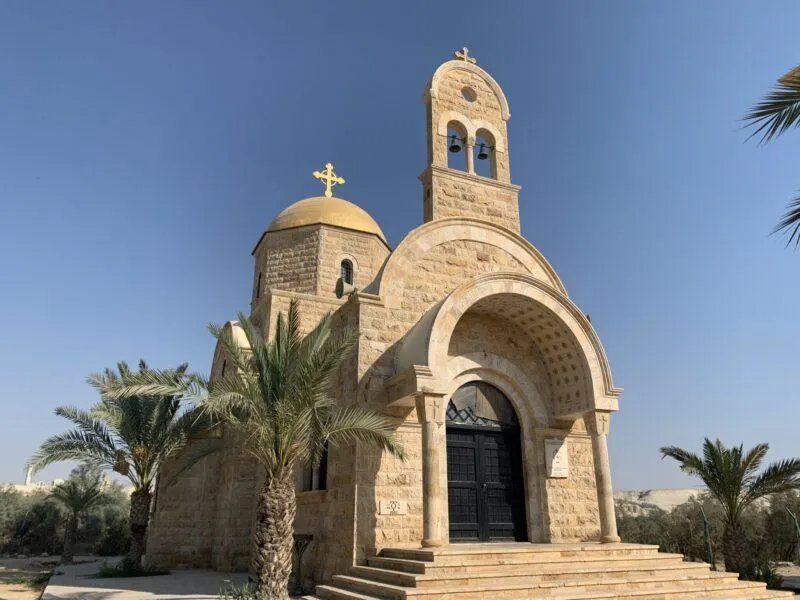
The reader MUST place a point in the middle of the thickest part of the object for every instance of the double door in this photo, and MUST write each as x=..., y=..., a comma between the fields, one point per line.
x=486, y=498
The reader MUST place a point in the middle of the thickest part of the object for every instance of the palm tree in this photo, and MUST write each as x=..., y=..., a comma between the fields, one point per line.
x=79, y=494
x=279, y=395
x=731, y=477
x=132, y=436
x=778, y=112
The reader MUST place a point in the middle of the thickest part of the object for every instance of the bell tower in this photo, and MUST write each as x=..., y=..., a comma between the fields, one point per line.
x=466, y=119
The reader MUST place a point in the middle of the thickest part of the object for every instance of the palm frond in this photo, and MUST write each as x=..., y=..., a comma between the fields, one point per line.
x=72, y=445
x=790, y=223
x=153, y=382
x=753, y=459
x=355, y=424
x=689, y=463
x=779, y=111
x=778, y=477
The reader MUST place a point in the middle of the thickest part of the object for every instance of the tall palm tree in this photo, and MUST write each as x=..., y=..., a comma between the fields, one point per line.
x=777, y=113
x=79, y=494
x=132, y=436
x=280, y=396
x=731, y=476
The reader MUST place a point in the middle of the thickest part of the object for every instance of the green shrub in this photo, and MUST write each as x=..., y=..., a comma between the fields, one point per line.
x=769, y=528
x=115, y=536
x=37, y=530
x=124, y=569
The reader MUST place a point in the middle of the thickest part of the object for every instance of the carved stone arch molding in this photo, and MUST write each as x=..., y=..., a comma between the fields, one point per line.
x=523, y=393
x=433, y=88
x=400, y=266
x=574, y=358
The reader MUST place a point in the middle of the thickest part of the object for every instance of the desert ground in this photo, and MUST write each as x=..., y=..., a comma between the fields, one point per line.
x=20, y=578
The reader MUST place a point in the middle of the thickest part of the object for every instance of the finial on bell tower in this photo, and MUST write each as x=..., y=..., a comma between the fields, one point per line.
x=463, y=54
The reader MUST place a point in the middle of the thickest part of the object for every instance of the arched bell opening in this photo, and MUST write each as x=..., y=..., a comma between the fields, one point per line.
x=485, y=484
x=485, y=159
x=456, y=146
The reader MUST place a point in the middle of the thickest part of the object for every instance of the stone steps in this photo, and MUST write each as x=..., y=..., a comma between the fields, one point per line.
x=525, y=565
x=468, y=553
x=534, y=574
x=532, y=571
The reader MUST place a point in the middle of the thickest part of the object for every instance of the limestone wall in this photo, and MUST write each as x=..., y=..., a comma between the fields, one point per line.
x=235, y=507
x=571, y=506
x=365, y=251
x=181, y=532
x=329, y=515
x=457, y=194
x=287, y=260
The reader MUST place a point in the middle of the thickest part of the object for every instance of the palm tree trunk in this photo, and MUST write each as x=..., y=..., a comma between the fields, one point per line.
x=139, y=517
x=735, y=548
x=68, y=553
x=274, y=540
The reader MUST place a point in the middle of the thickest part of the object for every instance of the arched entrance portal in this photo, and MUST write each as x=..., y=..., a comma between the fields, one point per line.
x=485, y=488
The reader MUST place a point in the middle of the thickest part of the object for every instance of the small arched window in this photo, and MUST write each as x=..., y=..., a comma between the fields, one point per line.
x=258, y=286
x=347, y=271
x=224, y=364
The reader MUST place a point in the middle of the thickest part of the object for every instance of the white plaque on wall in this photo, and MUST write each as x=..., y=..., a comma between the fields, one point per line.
x=394, y=507
x=556, y=457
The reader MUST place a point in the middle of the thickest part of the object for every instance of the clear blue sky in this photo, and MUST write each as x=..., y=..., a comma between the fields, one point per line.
x=144, y=147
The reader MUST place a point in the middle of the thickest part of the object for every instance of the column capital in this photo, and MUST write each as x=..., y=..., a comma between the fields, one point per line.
x=430, y=407
x=597, y=422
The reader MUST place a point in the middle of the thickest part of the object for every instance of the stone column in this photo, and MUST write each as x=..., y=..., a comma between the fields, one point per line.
x=430, y=413
x=470, y=149
x=597, y=424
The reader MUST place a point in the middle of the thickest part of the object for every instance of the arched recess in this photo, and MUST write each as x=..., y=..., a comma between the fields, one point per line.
x=579, y=373
x=433, y=88
x=486, y=490
x=485, y=146
x=401, y=263
x=527, y=399
x=456, y=134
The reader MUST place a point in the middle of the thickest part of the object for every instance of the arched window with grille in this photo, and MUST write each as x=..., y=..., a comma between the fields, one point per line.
x=347, y=271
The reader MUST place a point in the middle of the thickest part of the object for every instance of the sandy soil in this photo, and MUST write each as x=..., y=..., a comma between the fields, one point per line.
x=16, y=568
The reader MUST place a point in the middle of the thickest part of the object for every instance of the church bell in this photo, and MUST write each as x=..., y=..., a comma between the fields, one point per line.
x=455, y=144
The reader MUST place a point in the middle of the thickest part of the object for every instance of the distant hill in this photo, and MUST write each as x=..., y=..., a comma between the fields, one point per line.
x=644, y=501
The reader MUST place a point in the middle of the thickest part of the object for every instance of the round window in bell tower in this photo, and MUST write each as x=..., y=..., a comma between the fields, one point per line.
x=468, y=94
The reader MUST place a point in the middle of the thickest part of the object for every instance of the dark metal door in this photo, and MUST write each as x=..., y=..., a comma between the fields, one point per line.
x=485, y=491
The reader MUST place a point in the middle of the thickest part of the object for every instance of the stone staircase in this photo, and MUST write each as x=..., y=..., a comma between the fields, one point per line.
x=558, y=571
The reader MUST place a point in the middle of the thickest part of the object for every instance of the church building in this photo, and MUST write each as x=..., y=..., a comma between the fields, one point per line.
x=497, y=383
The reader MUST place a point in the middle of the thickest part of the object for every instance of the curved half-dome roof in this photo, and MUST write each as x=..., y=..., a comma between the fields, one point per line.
x=321, y=210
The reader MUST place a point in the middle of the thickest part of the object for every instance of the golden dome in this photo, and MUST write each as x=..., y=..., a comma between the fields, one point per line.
x=321, y=210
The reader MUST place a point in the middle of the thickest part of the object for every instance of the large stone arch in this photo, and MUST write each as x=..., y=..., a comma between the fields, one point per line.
x=400, y=264
x=574, y=357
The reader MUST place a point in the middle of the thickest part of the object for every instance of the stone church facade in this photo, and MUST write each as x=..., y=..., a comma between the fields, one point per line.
x=497, y=383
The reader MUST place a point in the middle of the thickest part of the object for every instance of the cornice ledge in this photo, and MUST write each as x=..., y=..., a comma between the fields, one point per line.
x=446, y=171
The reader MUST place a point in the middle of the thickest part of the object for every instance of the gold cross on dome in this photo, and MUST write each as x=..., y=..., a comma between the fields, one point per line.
x=329, y=178
x=463, y=54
